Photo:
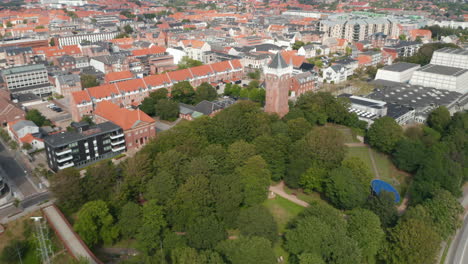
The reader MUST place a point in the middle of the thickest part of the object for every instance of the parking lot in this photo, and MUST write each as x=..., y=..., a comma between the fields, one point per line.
x=62, y=119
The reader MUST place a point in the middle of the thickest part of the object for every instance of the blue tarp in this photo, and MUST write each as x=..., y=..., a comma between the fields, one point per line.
x=379, y=185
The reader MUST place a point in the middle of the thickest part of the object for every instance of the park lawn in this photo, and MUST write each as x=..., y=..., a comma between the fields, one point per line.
x=280, y=251
x=348, y=134
x=363, y=154
x=387, y=171
x=283, y=211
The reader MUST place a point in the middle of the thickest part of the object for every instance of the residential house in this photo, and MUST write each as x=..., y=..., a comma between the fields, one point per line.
x=132, y=92
x=303, y=82
x=194, y=48
x=207, y=108
x=424, y=35
x=25, y=131
x=404, y=48
x=335, y=74
x=113, y=77
x=67, y=84
x=110, y=63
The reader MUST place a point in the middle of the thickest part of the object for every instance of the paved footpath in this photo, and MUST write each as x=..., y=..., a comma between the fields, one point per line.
x=70, y=239
x=279, y=190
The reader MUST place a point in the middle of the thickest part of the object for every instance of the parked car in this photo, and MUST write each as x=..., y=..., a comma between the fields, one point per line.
x=51, y=106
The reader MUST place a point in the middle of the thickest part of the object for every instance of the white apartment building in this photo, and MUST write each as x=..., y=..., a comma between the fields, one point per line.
x=94, y=37
x=359, y=29
x=457, y=58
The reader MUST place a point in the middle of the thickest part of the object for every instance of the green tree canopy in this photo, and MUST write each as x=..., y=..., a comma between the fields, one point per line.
x=205, y=232
x=345, y=190
x=365, y=228
x=384, y=134
x=183, y=92
x=205, y=92
x=247, y=250
x=323, y=146
x=411, y=241
x=255, y=179
x=37, y=118
x=445, y=211
x=88, y=80
x=153, y=222
x=258, y=221
x=439, y=119
x=384, y=207
x=167, y=109
x=95, y=224
x=68, y=189
x=187, y=62
x=130, y=220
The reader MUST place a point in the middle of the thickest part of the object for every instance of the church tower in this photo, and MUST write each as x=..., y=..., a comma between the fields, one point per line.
x=277, y=81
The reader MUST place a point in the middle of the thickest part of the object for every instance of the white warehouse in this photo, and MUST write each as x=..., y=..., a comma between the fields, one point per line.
x=398, y=72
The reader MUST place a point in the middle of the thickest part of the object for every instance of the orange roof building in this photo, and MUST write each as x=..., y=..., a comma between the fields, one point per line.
x=138, y=127
x=114, y=77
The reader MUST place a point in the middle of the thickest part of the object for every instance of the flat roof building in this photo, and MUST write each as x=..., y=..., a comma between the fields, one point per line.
x=451, y=57
x=398, y=72
x=27, y=79
x=441, y=77
x=422, y=99
x=83, y=146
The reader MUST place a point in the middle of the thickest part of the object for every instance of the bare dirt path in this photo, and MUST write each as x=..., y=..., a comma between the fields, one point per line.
x=279, y=190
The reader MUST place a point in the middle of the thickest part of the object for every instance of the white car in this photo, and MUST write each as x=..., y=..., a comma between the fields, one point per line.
x=51, y=105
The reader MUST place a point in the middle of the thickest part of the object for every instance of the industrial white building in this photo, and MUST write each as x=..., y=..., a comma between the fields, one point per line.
x=441, y=77
x=457, y=58
x=398, y=72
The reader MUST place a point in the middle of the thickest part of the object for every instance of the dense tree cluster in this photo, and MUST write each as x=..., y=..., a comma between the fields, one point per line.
x=158, y=103
x=252, y=92
x=180, y=195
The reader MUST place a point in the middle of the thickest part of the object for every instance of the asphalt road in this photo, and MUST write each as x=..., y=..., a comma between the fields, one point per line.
x=15, y=174
x=458, y=250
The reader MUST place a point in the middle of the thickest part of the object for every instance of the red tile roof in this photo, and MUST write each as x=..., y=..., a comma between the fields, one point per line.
x=201, y=70
x=103, y=91
x=131, y=85
x=180, y=75
x=124, y=118
x=116, y=76
x=157, y=80
x=236, y=64
x=80, y=96
x=221, y=66
x=29, y=138
x=197, y=44
x=148, y=51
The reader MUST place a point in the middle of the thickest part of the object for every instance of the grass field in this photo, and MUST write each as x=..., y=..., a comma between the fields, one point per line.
x=386, y=170
x=349, y=135
x=15, y=230
x=283, y=211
